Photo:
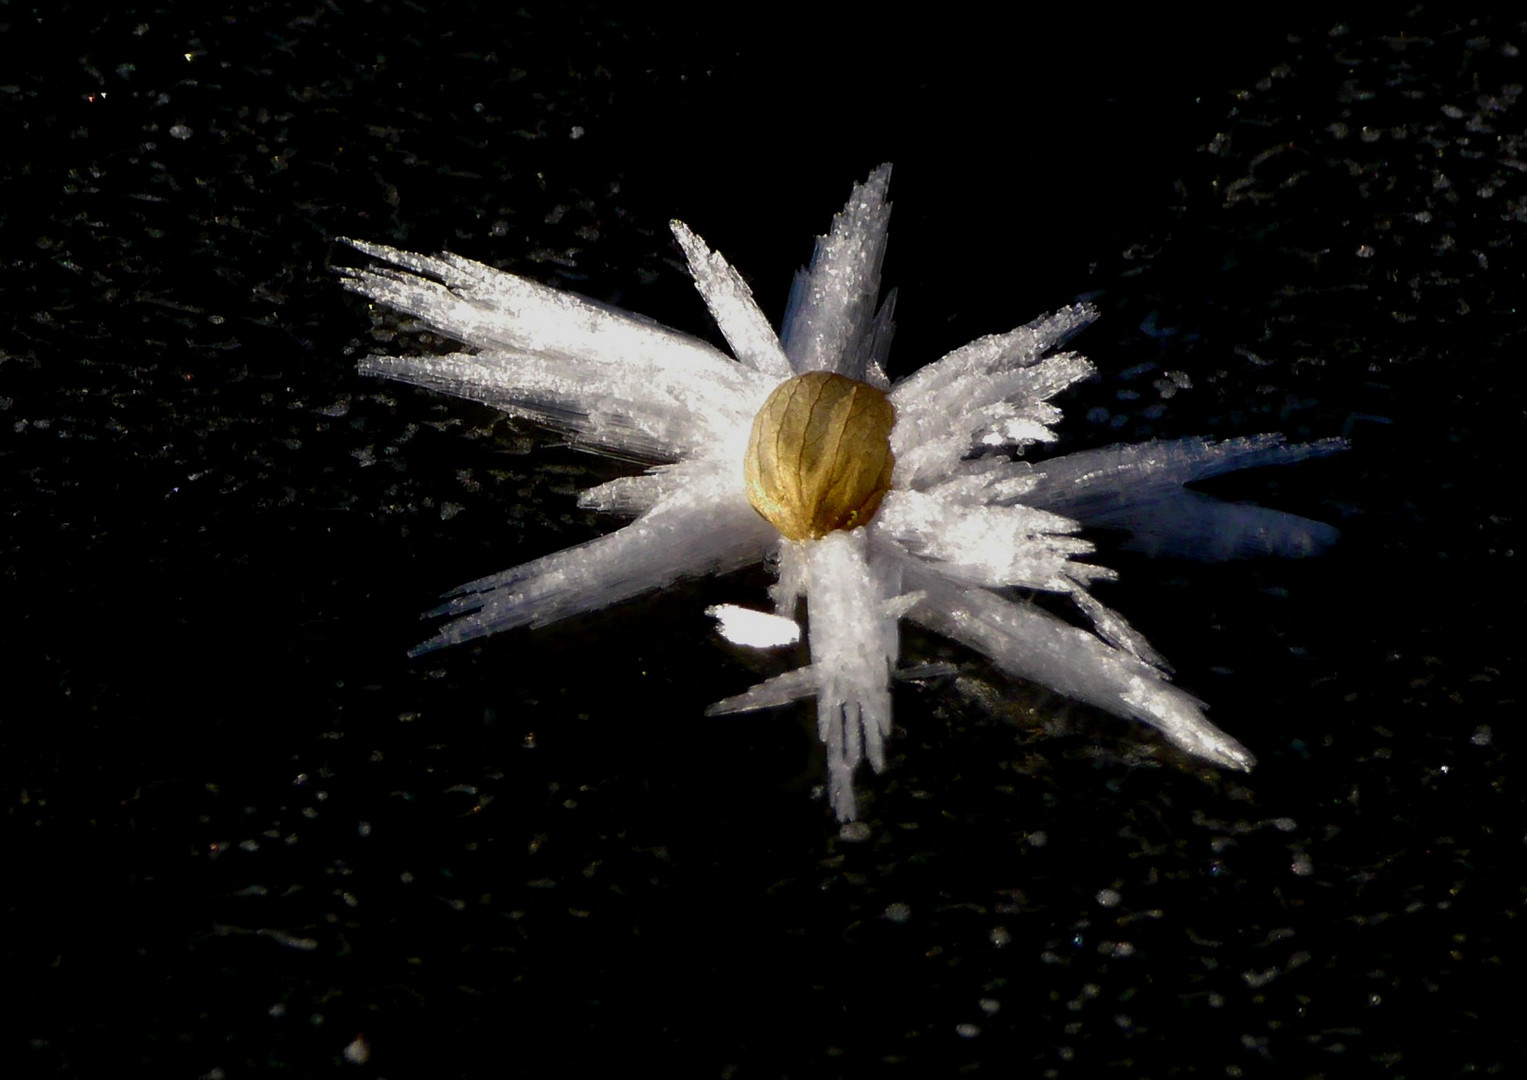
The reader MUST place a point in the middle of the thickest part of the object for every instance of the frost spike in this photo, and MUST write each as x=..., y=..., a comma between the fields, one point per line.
x=828, y=323
x=731, y=304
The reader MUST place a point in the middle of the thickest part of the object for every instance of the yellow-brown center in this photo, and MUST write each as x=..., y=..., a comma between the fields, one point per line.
x=819, y=457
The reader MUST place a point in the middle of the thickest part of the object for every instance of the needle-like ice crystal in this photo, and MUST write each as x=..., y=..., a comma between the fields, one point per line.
x=965, y=523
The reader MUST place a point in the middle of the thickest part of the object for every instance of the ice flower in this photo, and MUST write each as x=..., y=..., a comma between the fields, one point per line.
x=873, y=502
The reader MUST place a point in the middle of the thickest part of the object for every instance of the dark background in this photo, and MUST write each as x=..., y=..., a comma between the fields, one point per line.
x=242, y=831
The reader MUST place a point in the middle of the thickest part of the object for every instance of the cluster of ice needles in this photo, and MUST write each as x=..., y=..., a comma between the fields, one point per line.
x=965, y=528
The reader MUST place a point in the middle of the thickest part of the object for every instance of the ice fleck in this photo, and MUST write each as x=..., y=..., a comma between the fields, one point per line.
x=757, y=629
x=358, y=1052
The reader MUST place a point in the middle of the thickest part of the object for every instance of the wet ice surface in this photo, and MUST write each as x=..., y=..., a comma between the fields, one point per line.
x=245, y=832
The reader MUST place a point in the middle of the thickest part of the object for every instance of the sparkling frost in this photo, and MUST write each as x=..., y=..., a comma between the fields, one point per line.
x=967, y=520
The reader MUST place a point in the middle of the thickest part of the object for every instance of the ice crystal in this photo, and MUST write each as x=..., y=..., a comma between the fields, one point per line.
x=967, y=526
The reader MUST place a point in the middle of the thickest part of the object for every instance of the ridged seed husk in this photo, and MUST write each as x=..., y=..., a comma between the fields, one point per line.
x=819, y=457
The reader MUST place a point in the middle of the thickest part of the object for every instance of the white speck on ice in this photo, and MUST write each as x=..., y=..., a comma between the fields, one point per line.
x=358, y=1050
x=758, y=629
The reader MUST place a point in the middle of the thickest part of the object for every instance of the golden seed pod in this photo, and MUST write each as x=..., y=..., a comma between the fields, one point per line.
x=819, y=457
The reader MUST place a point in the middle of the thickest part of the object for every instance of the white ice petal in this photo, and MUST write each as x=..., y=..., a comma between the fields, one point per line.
x=632, y=495
x=782, y=689
x=489, y=309
x=977, y=407
x=1139, y=488
x=790, y=570
x=854, y=643
x=1191, y=525
x=1031, y=644
x=706, y=530
x=1018, y=429
x=938, y=460
x=1180, y=718
x=731, y=304
x=1171, y=461
x=973, y=401
x=611, y=379
x=629, y=496
x=877, y=343
x=987, y=545
x=995, y=353
x=1115, y=629
x=830, y=322
x=624, y=412
x=989, y=479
